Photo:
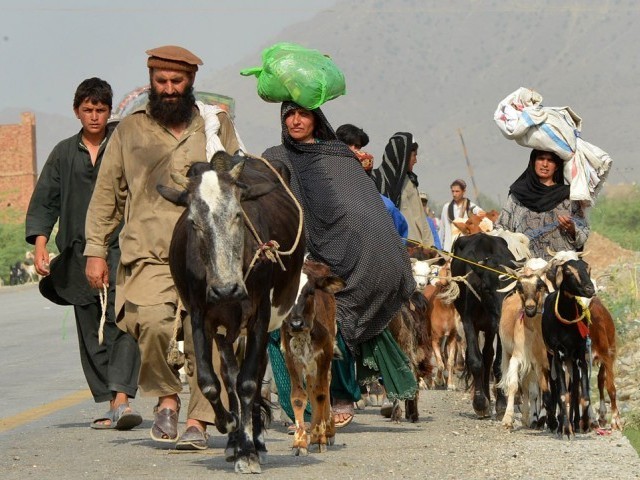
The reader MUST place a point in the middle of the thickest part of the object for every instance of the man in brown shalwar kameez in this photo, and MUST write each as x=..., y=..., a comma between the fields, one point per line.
x=168, y=135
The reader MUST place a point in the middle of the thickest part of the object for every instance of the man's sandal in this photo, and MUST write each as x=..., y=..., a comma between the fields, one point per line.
x=193, y=439
x=118, y=419
x=165, y=424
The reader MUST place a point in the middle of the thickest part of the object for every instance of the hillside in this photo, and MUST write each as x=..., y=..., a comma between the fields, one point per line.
x=432, y=67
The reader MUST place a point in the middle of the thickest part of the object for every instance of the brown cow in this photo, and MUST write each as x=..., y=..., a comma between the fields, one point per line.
x=308, y=339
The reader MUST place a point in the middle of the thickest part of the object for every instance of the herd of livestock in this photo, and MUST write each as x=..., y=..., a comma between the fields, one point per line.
x=532, y=328
x=525, y=324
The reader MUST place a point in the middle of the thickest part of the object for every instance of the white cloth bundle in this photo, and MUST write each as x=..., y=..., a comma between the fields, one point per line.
x=521, y=117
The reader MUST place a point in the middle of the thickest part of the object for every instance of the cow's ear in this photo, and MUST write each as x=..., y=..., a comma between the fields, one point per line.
x=331, y=284
x=257, y=190
x=176, y=197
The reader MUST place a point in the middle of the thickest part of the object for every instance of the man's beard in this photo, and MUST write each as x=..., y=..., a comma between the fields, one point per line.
x=172, y=114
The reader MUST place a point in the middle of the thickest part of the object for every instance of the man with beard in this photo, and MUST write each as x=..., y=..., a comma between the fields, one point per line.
x=168, y=135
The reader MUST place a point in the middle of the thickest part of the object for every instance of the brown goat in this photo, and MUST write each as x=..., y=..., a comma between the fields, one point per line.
x=410, y=328
x=603, y=346
x=445, y=324
x=525, y=366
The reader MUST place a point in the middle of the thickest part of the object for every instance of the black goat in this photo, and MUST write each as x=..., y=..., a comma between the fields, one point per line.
x=564, y=330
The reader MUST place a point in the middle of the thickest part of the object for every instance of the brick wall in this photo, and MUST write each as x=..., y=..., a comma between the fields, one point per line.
x=18, y=168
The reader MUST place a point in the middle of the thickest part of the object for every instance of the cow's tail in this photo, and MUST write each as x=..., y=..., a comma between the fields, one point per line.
x=266, y=409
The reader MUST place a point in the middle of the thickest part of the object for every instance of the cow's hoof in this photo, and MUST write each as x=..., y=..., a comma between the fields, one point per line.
x=299, y=452
x=248, y=465
x=331, y=441
x=230, y=454
x=262, y=457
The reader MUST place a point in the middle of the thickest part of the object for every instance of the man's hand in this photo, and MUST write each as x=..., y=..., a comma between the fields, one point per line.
x=97, y=272
x=41, y=256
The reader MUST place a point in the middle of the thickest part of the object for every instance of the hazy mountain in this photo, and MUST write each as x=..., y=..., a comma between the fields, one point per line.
x=432, y=67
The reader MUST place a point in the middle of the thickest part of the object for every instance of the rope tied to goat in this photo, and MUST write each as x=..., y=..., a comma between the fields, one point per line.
x=449, y=254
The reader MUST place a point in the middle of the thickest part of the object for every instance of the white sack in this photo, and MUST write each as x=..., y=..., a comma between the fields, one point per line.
x=521, y=117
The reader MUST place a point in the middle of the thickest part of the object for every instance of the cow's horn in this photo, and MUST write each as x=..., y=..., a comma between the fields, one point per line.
x=236, y=171
x=180, y=179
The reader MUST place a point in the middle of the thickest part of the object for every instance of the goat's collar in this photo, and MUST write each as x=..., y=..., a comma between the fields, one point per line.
x=579, y=306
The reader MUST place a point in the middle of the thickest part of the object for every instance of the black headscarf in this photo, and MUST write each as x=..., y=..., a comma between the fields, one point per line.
x=323, y=131
x=390, y=175
x=533, y=194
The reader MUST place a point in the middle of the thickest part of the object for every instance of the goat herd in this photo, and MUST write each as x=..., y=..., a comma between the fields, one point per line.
x=527, y=325
x=551, y=330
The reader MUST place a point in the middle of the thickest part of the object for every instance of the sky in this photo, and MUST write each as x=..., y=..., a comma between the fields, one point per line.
x=47, y=48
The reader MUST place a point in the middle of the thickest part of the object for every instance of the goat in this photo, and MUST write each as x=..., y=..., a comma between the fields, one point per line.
x=525, y=366
x=564, y=333
x=603, y=345
x=445, y=325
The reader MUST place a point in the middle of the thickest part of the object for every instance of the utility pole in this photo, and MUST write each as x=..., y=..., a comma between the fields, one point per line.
x=469, y=168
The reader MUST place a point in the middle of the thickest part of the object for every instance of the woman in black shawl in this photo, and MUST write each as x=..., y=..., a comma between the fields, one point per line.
x=348, y=228
x=539, y=207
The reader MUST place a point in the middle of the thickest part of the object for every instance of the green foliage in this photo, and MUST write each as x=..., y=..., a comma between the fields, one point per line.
x=632, y=429
x=12, y=247
x=621, y=296
x=616, y=217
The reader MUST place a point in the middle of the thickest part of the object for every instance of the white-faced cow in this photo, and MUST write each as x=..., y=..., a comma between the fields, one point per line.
x=211, y=250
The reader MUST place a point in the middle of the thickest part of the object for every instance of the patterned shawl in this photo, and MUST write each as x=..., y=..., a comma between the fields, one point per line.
x=348, y=228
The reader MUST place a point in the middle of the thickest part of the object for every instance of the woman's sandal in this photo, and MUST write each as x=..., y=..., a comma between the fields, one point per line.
x=343, y=413
x=165, y=424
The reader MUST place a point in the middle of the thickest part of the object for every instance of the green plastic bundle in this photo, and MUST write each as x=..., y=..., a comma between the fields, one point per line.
x=295, y=73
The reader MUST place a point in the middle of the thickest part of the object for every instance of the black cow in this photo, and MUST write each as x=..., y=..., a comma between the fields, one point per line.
x=479, y=305
x=562, y=317
x=211, y=251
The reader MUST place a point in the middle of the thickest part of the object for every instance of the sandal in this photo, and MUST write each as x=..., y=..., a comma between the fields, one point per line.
x=119, y=419
x=165, y=424
x=343, y=413
x=193, y=439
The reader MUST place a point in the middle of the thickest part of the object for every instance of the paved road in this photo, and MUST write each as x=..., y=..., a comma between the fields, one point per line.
x=38, y=350
x=40, y=364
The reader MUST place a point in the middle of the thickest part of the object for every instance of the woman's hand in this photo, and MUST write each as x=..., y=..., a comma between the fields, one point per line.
x=566, y=225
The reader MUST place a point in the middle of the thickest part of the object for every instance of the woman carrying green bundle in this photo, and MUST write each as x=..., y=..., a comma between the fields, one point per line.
x=348, y=228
